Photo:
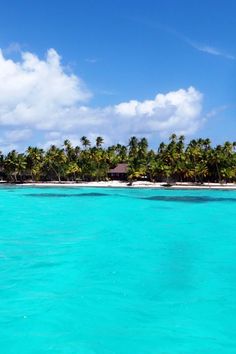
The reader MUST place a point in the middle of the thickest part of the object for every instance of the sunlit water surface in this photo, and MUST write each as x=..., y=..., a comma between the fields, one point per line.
x=117, y=271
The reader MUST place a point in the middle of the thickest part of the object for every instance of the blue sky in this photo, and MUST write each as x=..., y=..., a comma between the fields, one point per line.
x=112, y=52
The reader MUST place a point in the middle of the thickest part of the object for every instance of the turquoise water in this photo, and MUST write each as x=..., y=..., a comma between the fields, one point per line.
x=121, y=271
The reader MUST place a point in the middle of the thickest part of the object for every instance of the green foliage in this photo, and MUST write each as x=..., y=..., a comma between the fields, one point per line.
x=196, y=161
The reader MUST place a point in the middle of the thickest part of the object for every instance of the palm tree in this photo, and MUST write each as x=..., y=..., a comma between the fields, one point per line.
x=85, y=142
x=194, y=159
x=14, y=165
x=162, y=148
x=34, y=158
x=72, y=171
x=99, y=141
x=152, y=166
x=133, y=146
x=121, y=152
x=215, y=158
x=198, y=161
x=55, y=162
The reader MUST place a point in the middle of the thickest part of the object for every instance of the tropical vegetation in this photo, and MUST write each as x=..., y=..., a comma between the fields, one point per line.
x=197, y=161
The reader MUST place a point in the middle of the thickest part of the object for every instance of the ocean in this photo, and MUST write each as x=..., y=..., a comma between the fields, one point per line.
x=117, y=271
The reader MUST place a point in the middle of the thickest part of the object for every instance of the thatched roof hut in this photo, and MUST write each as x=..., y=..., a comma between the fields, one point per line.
x=119, y=172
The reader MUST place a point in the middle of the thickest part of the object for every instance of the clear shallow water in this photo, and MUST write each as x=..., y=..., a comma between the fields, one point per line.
x=119, y=271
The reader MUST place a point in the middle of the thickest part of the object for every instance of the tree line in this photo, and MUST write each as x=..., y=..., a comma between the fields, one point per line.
x=174, y=161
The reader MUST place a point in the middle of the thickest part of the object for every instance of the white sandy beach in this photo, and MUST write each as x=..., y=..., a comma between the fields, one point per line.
x=137, y=184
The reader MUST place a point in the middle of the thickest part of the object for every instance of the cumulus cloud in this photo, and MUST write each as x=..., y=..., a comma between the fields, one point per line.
x=40, y=102
x=175, y=111
x=33, y=90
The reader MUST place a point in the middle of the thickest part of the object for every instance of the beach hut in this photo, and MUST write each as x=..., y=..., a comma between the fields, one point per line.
x=119, y=172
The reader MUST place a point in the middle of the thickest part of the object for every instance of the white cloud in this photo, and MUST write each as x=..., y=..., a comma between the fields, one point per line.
x=177, y=111
x=10, y=139
x=91, y=60
x=13, y=47
x=216, y=110
x=39, y=98
x=210, y=50
x=196, y=45
x=14, y=136
x=33, y=90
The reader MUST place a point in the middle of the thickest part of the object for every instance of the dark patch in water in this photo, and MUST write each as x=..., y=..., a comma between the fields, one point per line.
x=45, y=265
x=189, y=199
x=179, y=265
x=64, y=195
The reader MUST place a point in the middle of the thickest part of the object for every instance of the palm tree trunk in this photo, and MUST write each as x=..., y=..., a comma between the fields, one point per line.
x=218, y=173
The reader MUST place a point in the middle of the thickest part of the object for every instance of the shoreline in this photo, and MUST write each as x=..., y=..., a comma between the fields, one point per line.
x=124, y=184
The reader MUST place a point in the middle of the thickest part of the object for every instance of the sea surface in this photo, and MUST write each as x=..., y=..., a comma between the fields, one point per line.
x=117, y=271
